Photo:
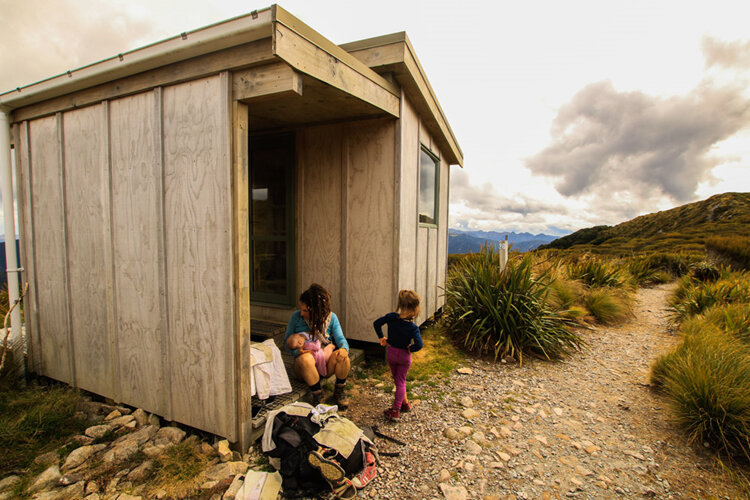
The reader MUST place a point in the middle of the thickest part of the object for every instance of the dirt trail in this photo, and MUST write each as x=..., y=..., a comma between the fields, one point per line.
x=587, y=427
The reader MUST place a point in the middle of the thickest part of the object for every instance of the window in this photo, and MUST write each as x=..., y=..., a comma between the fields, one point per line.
x=429, y=176
x=272, y=219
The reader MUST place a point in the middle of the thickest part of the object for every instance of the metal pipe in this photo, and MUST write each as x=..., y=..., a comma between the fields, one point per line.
x=11, y=259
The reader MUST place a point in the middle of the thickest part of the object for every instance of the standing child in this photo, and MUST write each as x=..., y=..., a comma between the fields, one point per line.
x=403, y=339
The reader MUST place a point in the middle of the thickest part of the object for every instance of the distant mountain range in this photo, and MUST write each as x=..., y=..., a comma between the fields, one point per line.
x=684, y=228
x=471, y=241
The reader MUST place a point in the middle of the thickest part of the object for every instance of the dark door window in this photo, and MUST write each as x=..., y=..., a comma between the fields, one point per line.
x=272, y=218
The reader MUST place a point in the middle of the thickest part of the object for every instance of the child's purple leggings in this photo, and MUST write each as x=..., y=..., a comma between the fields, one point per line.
x=400, y=361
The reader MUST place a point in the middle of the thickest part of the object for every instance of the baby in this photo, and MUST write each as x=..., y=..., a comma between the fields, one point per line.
x=305, y=341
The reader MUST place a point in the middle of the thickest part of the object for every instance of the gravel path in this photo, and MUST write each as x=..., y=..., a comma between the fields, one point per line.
x=587, y=427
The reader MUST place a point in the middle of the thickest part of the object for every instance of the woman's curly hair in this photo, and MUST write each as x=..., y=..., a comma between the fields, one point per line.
x=318, y=301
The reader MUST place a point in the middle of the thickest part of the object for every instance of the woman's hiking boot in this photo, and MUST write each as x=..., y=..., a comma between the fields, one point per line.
x=392, y=415
x=339, y=396
x=316, y=397
x=405, y=406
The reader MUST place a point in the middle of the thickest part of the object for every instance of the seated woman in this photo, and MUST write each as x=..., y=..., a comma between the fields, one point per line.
x=315, y=317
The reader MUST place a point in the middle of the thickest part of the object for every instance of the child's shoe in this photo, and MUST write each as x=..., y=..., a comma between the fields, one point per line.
x=368, y=473
x=405, y=406
x=392, y=415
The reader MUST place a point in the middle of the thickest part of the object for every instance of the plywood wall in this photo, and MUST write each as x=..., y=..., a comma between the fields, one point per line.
x=127, y=228
x=369, y=225
x=344, y=217
x=422, y=249
x=50, y=284
x=142, y=369
x=319, y=211
x=88, y=258
x=198, y=248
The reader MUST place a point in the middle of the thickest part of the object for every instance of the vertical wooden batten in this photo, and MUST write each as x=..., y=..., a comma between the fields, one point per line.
x=21, y=150
x=166, y=350
x=226, y=168
x=397, y=195
x=241, y=224
x=65, y=257
x=109, y=263
x=344, y=234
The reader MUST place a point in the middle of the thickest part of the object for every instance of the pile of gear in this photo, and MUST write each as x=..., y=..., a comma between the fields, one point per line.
x=315, y=449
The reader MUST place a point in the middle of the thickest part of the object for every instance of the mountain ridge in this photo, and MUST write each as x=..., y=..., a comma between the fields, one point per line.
x=685, y=227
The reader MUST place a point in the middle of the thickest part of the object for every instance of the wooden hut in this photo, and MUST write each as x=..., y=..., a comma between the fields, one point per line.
x=169, y=194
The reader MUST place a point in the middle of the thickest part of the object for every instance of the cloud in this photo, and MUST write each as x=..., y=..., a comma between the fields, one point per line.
x=639, y=148
x=732, y=55
x=485, y=207
x=42, y=39
x=486, y=199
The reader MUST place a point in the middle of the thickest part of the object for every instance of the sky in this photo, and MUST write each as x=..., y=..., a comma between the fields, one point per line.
x=569, y=114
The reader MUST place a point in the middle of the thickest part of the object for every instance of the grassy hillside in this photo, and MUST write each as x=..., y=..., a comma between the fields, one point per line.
x=685, y=228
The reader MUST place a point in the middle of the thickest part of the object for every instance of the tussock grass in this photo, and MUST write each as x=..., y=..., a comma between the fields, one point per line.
x=705, y=271
x=35, y=420
x=598, y=273
x=735, y=249
x=707, y=376
x=565, y=294
x=694, y=297
x=646, y=272
x=707, y=379
x=608, y=306
x=505, y=312
x=178, y=470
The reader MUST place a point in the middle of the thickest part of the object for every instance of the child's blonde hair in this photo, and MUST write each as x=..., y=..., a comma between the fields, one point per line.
x=408, y=302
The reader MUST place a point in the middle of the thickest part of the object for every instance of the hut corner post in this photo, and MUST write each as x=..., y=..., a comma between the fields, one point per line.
x=6, y=183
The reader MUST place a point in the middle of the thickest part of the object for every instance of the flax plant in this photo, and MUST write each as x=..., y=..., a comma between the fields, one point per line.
x=505, y=312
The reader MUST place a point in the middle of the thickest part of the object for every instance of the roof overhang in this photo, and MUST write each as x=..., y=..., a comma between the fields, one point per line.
x=395, y=54
x=315, y=73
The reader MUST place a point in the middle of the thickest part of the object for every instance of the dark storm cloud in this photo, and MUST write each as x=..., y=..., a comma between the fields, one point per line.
x=726, y=54
x=637, y=146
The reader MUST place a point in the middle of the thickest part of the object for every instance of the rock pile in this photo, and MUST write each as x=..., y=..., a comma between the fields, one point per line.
x=114, y=459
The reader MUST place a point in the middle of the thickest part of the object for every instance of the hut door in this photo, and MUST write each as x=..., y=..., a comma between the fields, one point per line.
x=272, y=218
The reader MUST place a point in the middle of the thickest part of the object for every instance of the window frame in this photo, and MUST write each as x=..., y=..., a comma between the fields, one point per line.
x=435, y=158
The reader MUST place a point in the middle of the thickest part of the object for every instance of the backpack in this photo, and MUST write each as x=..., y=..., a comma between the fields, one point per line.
x=292, y=434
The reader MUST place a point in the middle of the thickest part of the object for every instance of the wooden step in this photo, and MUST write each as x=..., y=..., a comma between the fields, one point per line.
x=300, y=391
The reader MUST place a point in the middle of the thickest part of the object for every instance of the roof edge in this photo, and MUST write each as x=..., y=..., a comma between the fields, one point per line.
x=417, y=75
x=224, y=34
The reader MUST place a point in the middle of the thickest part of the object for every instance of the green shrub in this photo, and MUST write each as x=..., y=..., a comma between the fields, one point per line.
x=606, y=305
x=597, y=273
x=707, y=380
x=505, y=312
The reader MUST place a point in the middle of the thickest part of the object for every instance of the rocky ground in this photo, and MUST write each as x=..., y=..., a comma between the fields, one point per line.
x=589, y=427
